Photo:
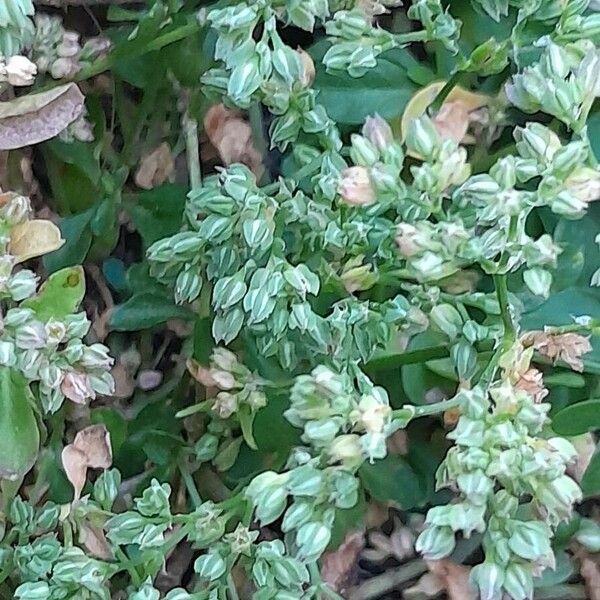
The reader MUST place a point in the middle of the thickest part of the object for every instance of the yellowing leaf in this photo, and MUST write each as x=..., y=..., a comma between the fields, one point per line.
x=455, y=108
x=34, y=238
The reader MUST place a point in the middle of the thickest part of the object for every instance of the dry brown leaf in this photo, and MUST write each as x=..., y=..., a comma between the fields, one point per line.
x=337, y=566
x=231, y=135
x=454, y=578
x=155, y=168
x=590, y=571
x=34, y=238
x=567, y=347
x=95, y=542
x=399, y=544
x=90, y=449
x=38, y=117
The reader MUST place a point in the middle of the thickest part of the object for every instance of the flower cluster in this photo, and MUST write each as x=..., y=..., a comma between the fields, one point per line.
x=499, y=461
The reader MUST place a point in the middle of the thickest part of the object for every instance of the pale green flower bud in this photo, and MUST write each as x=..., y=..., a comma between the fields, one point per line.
x=538, y=142
x=475, y=486
x=210, y=566
x=568, y=205
x=312, y=539
x=296, y=515
x=22, y=285
x=421, y=137
x=187, y=285
x=558, y=496
x=518, y=581
x=588, y=535
x=447, y=319
x=321, y=432
x=489, y=579
x=584, y=184
x=530, y=539
x=363, y=152
x=31, y=336
x=435, y=542
x=538, y=281
x=106, y=488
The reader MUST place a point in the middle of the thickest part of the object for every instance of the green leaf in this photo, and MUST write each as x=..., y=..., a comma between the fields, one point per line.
x=19, y=434
x=385, y=90
x=393, y=479
x=157, y=213
x=145, y=310
x=577, y=418
x=590, y=483
x=60, y=295
x=77, y=233
x=246, y=417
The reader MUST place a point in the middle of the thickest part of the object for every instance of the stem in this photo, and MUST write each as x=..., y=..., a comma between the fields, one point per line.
x=190, y=484
x=129, y=566
x=383, y=363
x=510, y=333
x=411, y=36
x=432, y=409
x=190, y=128
x=233, y=595
x=445, y=91
x=106, y=62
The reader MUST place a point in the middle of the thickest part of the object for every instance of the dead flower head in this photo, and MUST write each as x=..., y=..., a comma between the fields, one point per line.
x=90, y=449
x=532, y=382
x=355, y=186
x=566, y=347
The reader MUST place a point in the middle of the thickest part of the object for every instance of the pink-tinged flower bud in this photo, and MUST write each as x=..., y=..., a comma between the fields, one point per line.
x=584, y=184
x=20, y=71
x=378, y=132
x=355, y=187
x=307, y=68
x=76, y=387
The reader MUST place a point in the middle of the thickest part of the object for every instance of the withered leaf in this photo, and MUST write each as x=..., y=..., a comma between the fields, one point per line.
x=34, y=238
x=338, y=565
x=38, y=117
x=90, y=449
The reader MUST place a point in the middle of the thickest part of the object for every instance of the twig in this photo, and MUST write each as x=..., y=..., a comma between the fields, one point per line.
x=390, y=580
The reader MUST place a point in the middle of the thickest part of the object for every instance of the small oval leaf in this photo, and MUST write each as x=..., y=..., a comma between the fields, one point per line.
x=578, y=418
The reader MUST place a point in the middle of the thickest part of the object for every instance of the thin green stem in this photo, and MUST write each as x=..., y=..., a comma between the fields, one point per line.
x=421, y=355
x=129, y=566
x=190, y=484
x=431, y=409
x=500, y=282
x=231, y=589
x=445, y=91
x=411, y=36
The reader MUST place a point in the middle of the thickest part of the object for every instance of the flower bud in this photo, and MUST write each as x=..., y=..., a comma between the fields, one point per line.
x=355, y=187
x=312, y=539
x=307, y=68
x=435, y=542
x=210, y=566
x=225, y=405
x=296, y=515
x=489, y=578
x=584, y=184
x=346, y=449
x=538, y=281
x=446, y=318
x=206, y=447
x=31, y=336
x=568, y=205
x=20, y=71
x=421, y=137
x=378, y=132
x=363, y=152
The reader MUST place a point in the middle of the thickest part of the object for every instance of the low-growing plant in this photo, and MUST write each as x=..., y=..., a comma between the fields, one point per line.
x=404, y=248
